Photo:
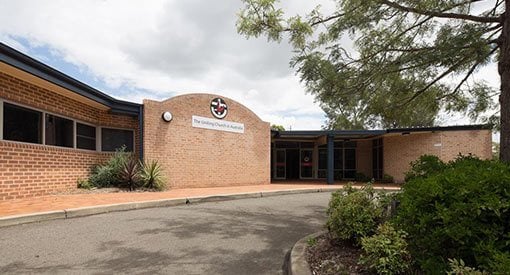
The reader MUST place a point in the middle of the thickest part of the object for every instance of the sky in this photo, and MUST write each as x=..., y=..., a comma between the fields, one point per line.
x=157, y=49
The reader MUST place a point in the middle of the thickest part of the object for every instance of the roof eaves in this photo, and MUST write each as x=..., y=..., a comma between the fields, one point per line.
x=28, y=64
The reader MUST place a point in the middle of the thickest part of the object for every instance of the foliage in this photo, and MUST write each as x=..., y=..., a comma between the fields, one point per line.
x=424, y=166
x=461, y=212
x=360, y=177
x=386, y=251
x=84, y=184
x=311, y=241
x=130, y=174
x=276, y=127
x=353, y=213
x=458, y=267
x=152, y=175
x=108, y=174
x=408, y=59
x=123, y=170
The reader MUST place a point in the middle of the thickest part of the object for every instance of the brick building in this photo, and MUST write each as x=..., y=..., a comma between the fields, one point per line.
x=53, y=129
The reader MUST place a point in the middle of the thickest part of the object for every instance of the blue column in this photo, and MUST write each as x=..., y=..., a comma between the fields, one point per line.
x=331, y=157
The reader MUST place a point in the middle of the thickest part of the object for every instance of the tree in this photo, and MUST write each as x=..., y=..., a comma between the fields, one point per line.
x=408, y=59
x=277, y=127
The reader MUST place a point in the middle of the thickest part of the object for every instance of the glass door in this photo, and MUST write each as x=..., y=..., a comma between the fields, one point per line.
x=281, y=163
x=306, y=163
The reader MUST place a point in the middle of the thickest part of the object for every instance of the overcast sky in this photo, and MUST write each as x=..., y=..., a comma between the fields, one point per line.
x=157, y=49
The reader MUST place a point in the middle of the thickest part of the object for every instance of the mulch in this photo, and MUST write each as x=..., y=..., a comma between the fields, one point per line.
x=327, y=255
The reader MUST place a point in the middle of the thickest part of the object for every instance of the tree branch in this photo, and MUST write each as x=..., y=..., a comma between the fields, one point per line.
x=480, y=19
x=469, y=73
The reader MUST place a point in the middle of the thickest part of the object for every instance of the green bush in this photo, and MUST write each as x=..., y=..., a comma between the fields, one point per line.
x=461, y=212
x=386, y=251
x=152, y=175
x=353, y=213
x=424, y=166
x=108, y=174
x=458, y=267
x=84, y=184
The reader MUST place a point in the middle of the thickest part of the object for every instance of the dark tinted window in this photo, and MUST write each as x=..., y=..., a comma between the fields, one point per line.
x=59, y=131
x=21, y=124
x=112, y=139
x=85, y=137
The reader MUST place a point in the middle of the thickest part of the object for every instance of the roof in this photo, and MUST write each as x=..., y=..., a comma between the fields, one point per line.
x=312, y=134
x=28, y=64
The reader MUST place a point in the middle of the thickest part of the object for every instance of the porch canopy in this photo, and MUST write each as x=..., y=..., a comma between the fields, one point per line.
x=327, y=138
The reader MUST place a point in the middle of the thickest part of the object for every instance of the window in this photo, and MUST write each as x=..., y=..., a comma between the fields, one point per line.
x=22, y=124
x=85, y=137
x=112, y=139
x=59, y=131
x=377, y=158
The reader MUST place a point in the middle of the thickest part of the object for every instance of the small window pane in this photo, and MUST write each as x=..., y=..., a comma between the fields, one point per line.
x=323, y=159
x=85, y=137
x=112, y=139
x=59, y=131
x=22, y=124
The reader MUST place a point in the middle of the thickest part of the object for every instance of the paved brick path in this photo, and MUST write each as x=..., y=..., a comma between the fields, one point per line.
x=60, y=202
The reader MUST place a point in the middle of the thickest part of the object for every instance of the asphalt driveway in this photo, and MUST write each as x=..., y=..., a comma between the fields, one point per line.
x=248, y=236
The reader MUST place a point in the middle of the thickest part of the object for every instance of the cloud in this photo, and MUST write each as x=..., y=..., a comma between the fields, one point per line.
x=160, y=48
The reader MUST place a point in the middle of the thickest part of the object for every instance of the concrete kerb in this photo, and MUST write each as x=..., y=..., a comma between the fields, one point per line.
x=297, y=264
x=33, y=217
x=101, y=209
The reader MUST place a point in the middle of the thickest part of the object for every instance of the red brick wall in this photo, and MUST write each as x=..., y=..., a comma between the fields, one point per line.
x=28, y=170
x=400, y=151
x=195, y=157
x=31, y=170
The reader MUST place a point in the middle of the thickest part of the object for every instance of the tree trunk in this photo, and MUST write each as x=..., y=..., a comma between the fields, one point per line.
x=504, y=97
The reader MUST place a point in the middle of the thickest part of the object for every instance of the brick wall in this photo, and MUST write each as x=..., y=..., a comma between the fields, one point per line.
x=195, y=157
x=29, y=170
x=400, y=151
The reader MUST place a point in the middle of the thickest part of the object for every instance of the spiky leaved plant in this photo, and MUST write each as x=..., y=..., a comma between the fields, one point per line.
x=152, y=175
x=130, y=173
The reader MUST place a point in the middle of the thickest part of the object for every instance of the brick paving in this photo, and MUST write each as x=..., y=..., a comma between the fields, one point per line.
x=60, y=202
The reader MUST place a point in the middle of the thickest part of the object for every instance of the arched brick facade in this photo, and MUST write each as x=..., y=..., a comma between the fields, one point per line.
x=197, y=157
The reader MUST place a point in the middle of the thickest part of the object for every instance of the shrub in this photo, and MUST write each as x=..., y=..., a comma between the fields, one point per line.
x=458, y=267
x=386, y=251
x=108, y=174
x=461, y=212
x=130, y=174
x=152, y=175
x=102, y=176
x=84, y=184
x=424, y=166
x=353, y=213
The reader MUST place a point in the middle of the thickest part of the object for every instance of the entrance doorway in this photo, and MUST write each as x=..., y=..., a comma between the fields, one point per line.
x=292, y=165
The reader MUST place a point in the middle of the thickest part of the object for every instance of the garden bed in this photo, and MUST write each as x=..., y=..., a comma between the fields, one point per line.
x=326, y=256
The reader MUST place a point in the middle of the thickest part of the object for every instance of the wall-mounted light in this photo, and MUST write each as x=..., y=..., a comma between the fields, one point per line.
x=167, y=116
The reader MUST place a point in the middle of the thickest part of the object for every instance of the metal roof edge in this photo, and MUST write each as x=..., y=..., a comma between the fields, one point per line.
x=30, y=65
x=442, y=128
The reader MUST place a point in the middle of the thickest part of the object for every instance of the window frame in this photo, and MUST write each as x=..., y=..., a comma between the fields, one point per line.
x=46, y=114
x=114, y=128
x=42, y=132
x=76, y=135
x=75, y=122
